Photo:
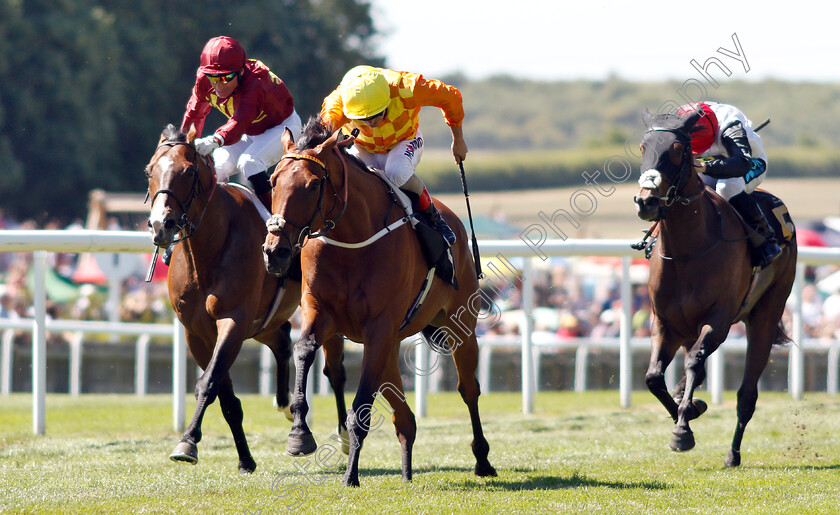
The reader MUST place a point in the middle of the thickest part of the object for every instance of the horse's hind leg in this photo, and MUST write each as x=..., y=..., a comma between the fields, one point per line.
x=334, y=370
x=282, y=350
x=465, y=355
x=760, y=337
x=232, y=411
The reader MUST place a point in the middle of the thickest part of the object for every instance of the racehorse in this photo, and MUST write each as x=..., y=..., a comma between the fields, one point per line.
x=218, y=285
x=364, y=291
x=702, y=280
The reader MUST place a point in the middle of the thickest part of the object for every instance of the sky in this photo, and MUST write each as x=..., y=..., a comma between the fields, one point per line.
x=590, y=39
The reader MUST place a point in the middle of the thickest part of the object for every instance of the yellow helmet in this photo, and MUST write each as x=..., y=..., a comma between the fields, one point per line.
x=364, y=92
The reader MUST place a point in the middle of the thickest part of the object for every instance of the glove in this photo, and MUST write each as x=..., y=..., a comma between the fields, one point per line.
x=206, y=144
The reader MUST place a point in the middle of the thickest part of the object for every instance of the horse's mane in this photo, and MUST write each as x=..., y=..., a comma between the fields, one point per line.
x=172, y=133
x=316, y=132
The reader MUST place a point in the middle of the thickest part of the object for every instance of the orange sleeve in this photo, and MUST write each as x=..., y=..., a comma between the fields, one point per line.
x=431, y=92
x=332, y=110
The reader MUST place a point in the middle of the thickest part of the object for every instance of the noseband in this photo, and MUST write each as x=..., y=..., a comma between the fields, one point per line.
x=184, y=225
x=276, y=224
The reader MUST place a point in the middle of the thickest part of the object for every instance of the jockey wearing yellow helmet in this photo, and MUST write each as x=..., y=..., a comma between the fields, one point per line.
x=385, y=106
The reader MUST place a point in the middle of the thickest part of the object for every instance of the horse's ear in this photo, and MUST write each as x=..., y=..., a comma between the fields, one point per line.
x=288, y=141
x=692, y=118
x=191, y=133
x=647, y=117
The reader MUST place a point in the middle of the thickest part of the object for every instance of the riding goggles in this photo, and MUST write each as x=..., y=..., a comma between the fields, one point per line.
x=224, y=79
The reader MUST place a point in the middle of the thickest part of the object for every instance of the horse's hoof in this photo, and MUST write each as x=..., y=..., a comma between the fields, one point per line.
x=287, y=410
x=682, y=440
x=247, y=466
x=344, y=437
x=733, y=458
x=299, y=446
x=351, y=480
x=485, y=469
x=698, y=407
x=186, y=452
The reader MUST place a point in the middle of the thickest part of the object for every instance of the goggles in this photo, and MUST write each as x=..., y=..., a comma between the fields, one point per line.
x=224, y=79
x=375, y=117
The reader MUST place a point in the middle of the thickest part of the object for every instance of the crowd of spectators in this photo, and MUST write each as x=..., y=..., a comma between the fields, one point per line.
x=573, y=297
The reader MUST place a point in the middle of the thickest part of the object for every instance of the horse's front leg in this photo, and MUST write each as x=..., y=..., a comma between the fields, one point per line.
x=376, y=354
x=301, y=442
x=227, y=346
x=663, y=347
x=710, y=338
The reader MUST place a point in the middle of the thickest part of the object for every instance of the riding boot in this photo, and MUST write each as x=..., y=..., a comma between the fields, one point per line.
x=762, y=237
x=167, y=254
x=262, y=188
x=265, y=198
x=440, y=224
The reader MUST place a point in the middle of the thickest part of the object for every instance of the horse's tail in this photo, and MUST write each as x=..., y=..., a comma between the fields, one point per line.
x=781, y=336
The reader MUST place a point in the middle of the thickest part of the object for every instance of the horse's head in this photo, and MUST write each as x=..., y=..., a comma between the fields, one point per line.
x=177, y=175
x=667, y=163
x=304, y=198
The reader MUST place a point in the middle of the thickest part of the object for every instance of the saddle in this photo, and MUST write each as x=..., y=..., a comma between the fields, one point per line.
x=777, y=215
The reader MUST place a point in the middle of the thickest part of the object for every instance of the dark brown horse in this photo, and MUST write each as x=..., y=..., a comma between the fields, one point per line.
x=365, y=292
x=218, y=285
x=702, y=280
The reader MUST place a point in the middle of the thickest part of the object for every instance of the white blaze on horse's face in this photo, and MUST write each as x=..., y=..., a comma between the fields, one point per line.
x=156, y=218
x=651, y=179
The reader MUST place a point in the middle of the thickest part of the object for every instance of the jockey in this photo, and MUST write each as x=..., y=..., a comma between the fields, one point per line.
x=730, y=158
x=259, y=108
x=385, y=106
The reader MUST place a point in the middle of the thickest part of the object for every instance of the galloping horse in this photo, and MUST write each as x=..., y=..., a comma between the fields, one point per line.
x=702, y=280
x=218, y=285
x=365, y=291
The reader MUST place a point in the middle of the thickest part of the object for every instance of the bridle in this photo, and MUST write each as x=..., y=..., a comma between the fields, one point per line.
x=185, y=227
x=276, y=224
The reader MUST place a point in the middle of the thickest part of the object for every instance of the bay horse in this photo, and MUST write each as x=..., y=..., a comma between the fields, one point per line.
x=364, y=291
x=218, y=285
x=702, y=279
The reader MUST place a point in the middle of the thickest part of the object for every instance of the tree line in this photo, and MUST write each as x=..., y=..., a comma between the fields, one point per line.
x=89, y=85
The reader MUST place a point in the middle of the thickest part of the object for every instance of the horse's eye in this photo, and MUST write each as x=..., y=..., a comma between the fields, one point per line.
x=314, y=185
x=147, y=172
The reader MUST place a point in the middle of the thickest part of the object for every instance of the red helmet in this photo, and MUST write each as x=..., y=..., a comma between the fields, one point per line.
x=704, y=132
x=222, y=55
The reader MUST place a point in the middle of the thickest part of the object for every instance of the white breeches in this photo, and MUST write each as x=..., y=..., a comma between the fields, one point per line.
x=253, y=154
x=399, y=163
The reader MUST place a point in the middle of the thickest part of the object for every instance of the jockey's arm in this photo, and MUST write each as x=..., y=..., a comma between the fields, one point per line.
x=739, y=161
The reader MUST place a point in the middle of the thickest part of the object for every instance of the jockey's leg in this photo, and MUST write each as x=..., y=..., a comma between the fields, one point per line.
x=263, y=151
x=400, y=164
x=415, y=185
x=763, y=237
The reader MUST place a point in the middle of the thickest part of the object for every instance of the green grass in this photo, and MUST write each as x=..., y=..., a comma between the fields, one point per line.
x=577, y=453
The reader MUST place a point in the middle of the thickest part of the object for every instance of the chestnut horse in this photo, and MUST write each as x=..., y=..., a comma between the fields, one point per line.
x=218, y=285
x=702, y=280
x=365, y=289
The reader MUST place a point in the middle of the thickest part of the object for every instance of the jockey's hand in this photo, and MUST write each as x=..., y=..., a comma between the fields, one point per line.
x=206, y=144
x=699, y=166
x=459, y=146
